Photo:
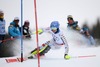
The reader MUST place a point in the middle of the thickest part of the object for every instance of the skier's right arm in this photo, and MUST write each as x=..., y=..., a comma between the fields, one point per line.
x=40, y=31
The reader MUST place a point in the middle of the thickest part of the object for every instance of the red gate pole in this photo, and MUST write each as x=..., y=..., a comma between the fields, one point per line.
x=37, y=40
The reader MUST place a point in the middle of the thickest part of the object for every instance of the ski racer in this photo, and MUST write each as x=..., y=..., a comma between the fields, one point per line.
x=26, y=31
x=2, y=26
x=56, y=42
x=72, y=24
x=86, y=33
x=14, y=28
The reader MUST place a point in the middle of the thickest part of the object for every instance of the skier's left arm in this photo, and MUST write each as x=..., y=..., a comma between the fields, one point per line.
x=65, y=44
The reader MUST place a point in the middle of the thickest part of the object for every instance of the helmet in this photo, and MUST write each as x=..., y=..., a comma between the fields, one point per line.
x=55, y=24
x=70, y=17
x=16, y=18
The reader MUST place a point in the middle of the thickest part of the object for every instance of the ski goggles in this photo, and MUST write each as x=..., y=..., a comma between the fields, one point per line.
x=53, y=28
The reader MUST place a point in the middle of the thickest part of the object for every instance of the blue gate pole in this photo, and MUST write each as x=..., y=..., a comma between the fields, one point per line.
x=21, y=31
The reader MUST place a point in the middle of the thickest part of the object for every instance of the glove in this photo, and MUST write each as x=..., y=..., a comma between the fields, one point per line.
x=66, y=57
x=40, y=31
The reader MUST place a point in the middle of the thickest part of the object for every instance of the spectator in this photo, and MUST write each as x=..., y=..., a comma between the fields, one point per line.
x=86, y=33
x=14, y=28
x=2, y=26
x=25, y=28
x=72, y=24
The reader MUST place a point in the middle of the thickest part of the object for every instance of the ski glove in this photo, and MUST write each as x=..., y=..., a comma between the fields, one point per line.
x=40, y=31
x=66, y=57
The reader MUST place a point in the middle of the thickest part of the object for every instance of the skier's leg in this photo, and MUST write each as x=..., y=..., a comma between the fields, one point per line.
x=45, y=49
x=42, y=50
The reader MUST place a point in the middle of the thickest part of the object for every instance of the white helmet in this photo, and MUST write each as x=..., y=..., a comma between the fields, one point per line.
x=16, y=18
x=69, y=16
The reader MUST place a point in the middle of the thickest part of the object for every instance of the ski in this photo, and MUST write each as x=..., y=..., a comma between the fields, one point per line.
x=11, y=60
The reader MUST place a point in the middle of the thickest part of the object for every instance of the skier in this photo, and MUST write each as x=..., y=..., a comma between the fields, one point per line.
x=14, y=28
x=2, y=26
x=72, y=24
x=26, y=31
x=55, y=43
x=86, y=33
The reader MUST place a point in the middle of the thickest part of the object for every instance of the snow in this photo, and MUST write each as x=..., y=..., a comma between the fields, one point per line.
x=55, y=58
x=47, y=12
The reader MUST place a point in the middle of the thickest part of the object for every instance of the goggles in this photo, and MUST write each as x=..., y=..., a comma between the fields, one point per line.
x=53, y=28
